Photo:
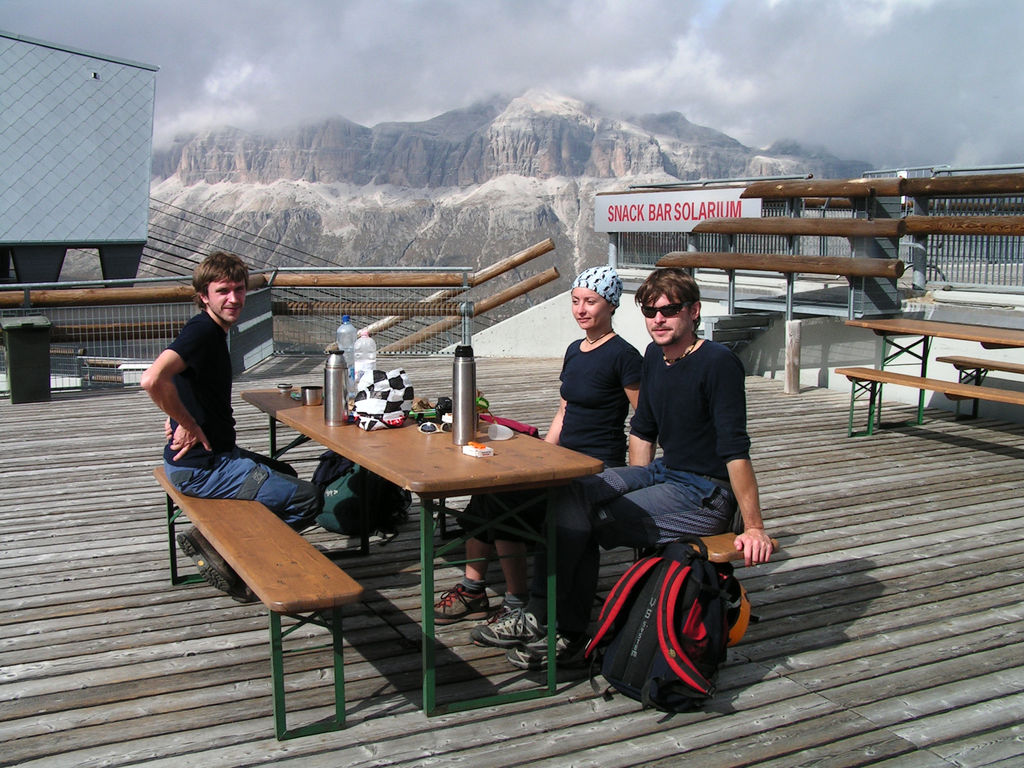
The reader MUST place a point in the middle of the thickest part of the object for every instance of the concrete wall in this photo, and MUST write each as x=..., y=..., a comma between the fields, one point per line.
x=547, y=329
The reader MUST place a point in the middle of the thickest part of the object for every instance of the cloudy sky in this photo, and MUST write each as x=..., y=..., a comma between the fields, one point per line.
x=891, y=82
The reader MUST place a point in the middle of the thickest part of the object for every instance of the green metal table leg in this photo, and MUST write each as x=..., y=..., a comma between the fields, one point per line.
x=911, y=348
x=428, y=529
x=552, y=579
x=428, y=651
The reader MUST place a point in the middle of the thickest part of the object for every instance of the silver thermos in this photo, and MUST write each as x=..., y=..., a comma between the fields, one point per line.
x=335, y=394
x=464, y=396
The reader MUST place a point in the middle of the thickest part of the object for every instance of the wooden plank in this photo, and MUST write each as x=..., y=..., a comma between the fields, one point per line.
x=890, y=620
x=794, y=227
x=987, y=226
x=975, y=363
x=981, y=184
x=909, y=326
x=784, y=263
x=846, y=188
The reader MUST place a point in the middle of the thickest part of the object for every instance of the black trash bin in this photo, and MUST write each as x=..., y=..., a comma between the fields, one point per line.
x=27, y=340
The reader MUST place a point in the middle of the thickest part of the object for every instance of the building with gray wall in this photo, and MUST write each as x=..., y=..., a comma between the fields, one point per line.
x=76, y=134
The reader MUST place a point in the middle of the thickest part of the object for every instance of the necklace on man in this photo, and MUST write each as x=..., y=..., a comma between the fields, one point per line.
x=689, y=349
x=594, y=341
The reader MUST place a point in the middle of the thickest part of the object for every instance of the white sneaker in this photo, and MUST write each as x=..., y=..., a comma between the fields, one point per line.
x=514, y=629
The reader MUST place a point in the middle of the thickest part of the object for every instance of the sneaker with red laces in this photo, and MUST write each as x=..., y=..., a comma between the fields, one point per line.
x=459, y=604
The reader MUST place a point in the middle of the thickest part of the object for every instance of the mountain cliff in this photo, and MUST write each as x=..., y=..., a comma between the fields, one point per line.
x=464, y=188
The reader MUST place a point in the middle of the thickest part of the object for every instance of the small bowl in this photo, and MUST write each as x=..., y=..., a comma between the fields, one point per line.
x=312, y=395
x=499, y=432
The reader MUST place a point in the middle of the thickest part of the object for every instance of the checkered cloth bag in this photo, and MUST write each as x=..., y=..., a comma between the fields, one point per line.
x=384, y=399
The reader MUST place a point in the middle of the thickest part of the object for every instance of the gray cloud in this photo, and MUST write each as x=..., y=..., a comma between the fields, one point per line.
x=893, y=82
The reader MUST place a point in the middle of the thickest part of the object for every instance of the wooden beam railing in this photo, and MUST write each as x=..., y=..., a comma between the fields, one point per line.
x=793, y=227
x=981, y=184
x=991, y=226
x=785, y=263
x=880, y=212
x=480, y=307
x=790, y=265
x=444, y=303
x=849, y=188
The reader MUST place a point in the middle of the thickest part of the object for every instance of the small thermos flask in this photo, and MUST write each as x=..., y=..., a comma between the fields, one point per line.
x=463, y=396
x=335, y=394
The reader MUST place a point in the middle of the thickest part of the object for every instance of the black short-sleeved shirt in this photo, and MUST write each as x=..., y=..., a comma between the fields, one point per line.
x=595, y=403
x=696, y=409
x=205, y=387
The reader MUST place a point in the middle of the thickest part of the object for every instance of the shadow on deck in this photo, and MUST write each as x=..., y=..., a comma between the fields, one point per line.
x=891, y=622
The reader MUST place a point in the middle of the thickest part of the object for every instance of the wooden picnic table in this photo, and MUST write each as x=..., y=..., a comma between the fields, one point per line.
x=434, y=468
x=919, y=348
x=988, y=337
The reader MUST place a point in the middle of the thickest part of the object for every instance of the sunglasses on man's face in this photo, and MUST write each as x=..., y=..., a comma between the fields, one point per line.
x=667, y=310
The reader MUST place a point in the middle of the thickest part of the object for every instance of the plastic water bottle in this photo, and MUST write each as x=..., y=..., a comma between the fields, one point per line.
x=365, y=354
x=463, y=396
x=346, y=338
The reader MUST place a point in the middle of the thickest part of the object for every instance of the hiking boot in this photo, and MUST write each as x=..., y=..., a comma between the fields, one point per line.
x=459, y=604
x=513, y=629
x=569, y=654
x=212, y=567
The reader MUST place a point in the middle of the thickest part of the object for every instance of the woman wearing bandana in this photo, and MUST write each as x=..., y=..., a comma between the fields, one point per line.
x=600, y=381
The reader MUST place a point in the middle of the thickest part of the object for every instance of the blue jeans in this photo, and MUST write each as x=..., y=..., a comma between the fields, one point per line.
x=241, y=474
x=625, y=507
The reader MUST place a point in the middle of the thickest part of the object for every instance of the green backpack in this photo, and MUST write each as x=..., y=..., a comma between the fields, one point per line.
x=345, y=486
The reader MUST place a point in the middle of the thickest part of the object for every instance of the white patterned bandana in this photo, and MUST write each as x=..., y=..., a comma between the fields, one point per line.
x=604, y=281
x=384, y=399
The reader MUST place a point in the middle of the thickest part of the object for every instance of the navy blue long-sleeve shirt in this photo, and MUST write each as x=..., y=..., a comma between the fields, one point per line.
x=695, y=409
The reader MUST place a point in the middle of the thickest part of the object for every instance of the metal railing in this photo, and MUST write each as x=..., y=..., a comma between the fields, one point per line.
x=959, y=261
x=411, y=311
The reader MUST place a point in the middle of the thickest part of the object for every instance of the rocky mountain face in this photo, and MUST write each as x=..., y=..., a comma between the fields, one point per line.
x=465, y=188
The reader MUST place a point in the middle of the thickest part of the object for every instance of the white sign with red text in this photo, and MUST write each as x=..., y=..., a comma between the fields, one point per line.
x=676, y=210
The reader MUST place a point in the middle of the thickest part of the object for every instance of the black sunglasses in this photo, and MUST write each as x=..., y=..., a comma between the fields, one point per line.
x=667, y=310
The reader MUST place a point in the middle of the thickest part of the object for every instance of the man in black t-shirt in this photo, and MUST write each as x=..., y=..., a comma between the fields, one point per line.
x=190, y=381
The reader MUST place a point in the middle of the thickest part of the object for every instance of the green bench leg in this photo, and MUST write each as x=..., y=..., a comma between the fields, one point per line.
x=331, y=620
x=858, y=388
x=974, y=376
x=173, y=516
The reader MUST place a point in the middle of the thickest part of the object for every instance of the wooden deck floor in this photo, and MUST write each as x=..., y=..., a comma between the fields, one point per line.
x=890, y=633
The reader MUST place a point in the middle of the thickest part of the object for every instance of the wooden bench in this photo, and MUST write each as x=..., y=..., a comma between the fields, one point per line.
x=287, y=573
x=722, y=547
x=973, y=370
x=870, y=379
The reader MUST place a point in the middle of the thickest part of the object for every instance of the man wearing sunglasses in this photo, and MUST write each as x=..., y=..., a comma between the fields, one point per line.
x=693, y=405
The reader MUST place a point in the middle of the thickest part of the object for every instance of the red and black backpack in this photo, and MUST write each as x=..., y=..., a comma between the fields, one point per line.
x=665, y=626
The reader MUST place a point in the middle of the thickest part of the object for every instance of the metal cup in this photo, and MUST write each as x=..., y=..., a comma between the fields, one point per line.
x=312, y=395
